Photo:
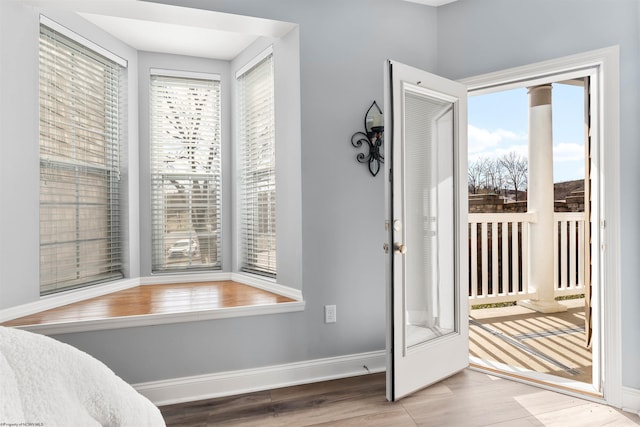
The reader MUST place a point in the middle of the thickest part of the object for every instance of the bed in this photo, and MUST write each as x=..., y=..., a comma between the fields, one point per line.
x=48, y=383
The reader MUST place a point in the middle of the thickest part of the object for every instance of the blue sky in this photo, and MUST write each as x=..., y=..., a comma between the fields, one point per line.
x=498, y=124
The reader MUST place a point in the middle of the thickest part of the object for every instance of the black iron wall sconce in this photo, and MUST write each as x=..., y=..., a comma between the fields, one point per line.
x=372, y=136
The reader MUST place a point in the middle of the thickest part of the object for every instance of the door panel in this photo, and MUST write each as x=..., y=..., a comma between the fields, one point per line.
x=426, y=146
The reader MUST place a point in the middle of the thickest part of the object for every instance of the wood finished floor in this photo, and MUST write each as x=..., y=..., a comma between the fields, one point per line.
x=155, y=299
x=466, y=399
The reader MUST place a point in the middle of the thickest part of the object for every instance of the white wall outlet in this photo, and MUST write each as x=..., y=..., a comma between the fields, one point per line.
x=329, y=314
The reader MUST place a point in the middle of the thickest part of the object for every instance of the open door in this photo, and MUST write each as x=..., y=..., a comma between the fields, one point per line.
x=425, y=128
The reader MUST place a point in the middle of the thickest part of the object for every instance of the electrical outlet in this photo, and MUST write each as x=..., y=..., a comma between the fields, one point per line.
x=329, y=314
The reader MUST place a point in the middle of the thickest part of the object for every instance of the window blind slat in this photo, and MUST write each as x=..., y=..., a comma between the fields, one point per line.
x=79, y=165
x=257, y=163
x=186, y=173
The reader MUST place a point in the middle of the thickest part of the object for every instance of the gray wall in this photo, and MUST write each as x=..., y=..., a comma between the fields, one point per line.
x=19, y=156
x=342, y=49
x=476, y=37
x=19, y=149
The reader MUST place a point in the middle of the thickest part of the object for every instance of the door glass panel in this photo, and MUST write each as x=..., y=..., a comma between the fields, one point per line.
x=430, y=296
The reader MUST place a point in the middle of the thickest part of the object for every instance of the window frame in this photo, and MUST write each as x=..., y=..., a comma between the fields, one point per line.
x=215, y=176
x=245, y=247
x=101, y=145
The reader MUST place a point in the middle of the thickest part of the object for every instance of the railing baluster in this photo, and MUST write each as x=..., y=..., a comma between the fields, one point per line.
x=572, y=255
x=556, y=259
x=494, y=259
x=525, y=258
x=581, y=253
x=505, y=258
x=563, y=255
x=485, y=261
x=515, y=250
x=474, y=259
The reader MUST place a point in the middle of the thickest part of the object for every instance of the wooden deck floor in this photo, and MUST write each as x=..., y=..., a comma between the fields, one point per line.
x=546, y=343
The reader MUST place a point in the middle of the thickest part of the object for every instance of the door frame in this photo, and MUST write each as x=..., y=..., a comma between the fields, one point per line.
x=606, y=298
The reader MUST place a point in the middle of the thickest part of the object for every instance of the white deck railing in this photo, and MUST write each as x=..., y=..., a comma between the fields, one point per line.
x=498, y=254
x=569, y=254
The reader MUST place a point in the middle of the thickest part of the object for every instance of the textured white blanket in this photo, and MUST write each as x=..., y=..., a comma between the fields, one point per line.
x=49, y=383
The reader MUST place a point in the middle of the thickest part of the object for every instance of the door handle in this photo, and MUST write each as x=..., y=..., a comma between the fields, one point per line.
x=399, y=248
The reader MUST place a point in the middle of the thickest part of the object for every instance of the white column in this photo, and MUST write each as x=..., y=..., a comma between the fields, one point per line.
x=540, y=201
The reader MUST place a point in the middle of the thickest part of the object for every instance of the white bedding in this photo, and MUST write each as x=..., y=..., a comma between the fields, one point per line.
x=49, y=383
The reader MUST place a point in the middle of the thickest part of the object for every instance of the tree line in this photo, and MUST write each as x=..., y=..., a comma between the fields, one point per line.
x=498, y=175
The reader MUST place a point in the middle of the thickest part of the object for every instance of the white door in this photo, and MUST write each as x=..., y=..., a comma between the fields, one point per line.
x=426, y=171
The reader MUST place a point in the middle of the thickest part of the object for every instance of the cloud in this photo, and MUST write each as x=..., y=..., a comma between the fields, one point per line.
x=484, y=141
x=520, y=150
x=494, y=144
x=568, y=152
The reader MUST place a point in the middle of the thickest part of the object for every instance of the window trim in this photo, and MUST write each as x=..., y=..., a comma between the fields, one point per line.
x=78, y=295
x=113, y=146
x=241, y=264
x=195, y=75
x=185, y=74
x=254, y=61
x=48, y=22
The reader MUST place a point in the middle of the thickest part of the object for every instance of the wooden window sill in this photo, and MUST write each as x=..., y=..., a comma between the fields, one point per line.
x=156, y=305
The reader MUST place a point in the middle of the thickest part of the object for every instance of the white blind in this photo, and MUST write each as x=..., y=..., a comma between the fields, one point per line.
x=79, y=165
x=185, y=173
x=257, y=168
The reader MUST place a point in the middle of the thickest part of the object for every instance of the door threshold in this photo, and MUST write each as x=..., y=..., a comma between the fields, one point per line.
x=538, y=379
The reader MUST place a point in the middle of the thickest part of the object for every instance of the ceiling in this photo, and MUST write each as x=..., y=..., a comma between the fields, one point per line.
x=155, y=27
x=432, y=2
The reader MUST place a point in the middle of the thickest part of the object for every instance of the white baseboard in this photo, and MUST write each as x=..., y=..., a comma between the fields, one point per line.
x=631, y=400
x=64, y=298
x=187, y=389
